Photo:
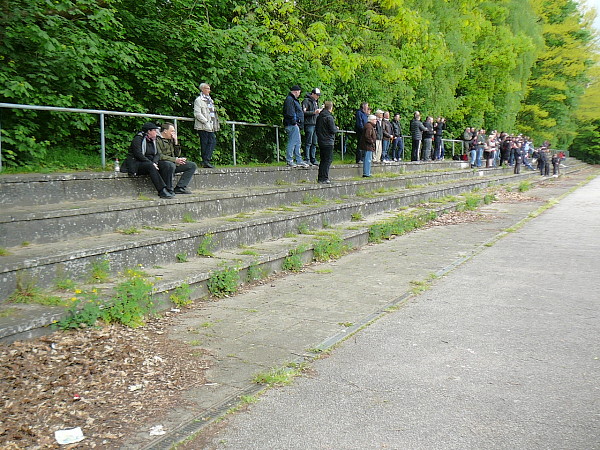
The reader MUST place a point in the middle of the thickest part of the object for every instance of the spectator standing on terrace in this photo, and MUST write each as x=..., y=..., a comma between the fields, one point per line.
x=144, y=156
x=325, y=131
x=438, y=143
x=311, y=110
x=505, y=149
x=398, y=141
x=171, y=161
x=379, y=133
x=206, y=123
x=416, y=134
x=518, y=159
x=360, y=121
x=467, y=138
x=367, y=144
x=388, y=135
x=481, y=146
x=490, y=151
x=428, y=139
x=543, y=162
x=293, y=120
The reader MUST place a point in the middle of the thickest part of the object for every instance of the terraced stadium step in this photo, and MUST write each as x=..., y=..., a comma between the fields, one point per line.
x=41, y=189
x=70, y=220
x=159, y=245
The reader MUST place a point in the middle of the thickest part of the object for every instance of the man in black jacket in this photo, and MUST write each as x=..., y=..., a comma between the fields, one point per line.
x=416, y=133
x=427, y=139
x=293, y=119
x=310, y=107
x=144, y=156
x=325, y=130
x=398, y=142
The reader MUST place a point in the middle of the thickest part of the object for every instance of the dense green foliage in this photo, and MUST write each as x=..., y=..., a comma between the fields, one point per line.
x=514, y=65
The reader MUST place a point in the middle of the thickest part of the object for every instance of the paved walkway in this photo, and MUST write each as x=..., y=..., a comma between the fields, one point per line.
x=502, y=352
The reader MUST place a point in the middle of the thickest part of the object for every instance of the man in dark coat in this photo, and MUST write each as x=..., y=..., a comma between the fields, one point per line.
x=144, y=156
x=310, y=107
x=326, y=130
x=359, y=126
x=416, y=133
x=293, y=120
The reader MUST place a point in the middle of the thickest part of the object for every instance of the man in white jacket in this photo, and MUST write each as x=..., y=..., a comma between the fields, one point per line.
x=206, y=123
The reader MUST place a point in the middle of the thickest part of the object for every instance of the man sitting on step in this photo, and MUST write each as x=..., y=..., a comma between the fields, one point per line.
x=171, y=161
x=143, y=158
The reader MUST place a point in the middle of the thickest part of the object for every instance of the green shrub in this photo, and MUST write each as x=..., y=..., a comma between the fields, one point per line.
x=326, y=249
x=206, y=246
x=399, y=225
x=224, y=282
x=182, y=295
x=293, y=261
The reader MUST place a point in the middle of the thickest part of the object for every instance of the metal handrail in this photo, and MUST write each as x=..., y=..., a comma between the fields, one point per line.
x=102, y=113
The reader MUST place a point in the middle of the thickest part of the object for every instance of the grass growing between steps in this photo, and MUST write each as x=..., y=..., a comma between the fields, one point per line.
x=399, y=225
x=27, y=291
x=129, y=305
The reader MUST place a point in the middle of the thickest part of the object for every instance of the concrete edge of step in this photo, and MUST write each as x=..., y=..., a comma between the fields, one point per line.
x=38, y=320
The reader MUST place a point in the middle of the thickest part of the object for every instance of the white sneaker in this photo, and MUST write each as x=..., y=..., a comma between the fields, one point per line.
x=291, y=164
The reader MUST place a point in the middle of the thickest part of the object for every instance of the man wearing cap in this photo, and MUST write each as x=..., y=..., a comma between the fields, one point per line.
x=144, y=156
x=310, y=107
x=293, y=119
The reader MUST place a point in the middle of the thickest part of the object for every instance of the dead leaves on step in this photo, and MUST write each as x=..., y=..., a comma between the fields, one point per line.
x=106, y=381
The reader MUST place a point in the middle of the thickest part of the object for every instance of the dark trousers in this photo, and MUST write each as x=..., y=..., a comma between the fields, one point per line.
x=311, y=144
x=359, y=153
x=208, y=142
x=168, y=169
x=438, y=146
x=416, y=147
x=326, y=155
x=427, y=149
x=517, y=169
x=398, y=148
x=147, y=168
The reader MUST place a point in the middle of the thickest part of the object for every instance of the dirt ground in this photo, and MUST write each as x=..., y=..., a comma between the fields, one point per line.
x=109, y=381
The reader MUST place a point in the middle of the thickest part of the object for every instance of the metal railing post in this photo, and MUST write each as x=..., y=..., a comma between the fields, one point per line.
x=342, y=144
x=102, y=141
x=233, y=143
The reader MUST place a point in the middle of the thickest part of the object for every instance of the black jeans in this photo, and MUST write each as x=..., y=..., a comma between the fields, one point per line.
x=208, y=142
x=416, y=146
x=326, y=153
x=168, y=169
x=359, y=153
x=147, y=168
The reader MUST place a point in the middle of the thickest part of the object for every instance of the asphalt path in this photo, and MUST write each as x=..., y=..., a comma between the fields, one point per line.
x=501, y=353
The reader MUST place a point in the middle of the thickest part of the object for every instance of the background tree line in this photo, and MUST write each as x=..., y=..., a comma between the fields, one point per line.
x=525, y=66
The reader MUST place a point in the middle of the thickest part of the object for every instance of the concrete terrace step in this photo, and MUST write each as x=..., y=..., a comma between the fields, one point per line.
x=68, y=220
x=264, y=230
x=40, y=189
x=160, y=245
